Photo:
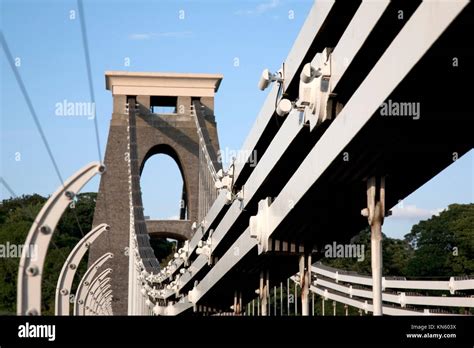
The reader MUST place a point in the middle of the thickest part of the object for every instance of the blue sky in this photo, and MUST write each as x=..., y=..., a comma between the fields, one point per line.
x=237, y=39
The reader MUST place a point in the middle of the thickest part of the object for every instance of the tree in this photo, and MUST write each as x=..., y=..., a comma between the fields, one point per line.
x=16, y=217
x=163, y=249
x=444, y=244
x=395, y=256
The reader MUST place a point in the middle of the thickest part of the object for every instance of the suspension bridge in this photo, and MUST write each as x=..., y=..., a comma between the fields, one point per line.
x=329, y=163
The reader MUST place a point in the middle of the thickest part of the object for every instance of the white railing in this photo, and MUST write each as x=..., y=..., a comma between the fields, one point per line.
x=451, y=285
x=348, y=288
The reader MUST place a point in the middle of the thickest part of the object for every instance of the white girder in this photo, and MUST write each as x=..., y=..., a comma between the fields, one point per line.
x=198, y=235
x=100, y=297
x=99, y=288
x=288, y=131
x=30, y=271
x=293, y=123
x=359, y=28
x=92, y=299
x=414, y=41
x=244, y=243
x=104, y=302
x=313, y=23
x=379, y=83
x=384, y=77
x=90, y=291
x=66, y=277
x=311, y=27
x=174, y=309
x=86, y=281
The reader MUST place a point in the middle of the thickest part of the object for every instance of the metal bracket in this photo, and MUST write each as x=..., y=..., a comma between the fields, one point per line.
x=205, y=248
x=183, y=253
x=226, y=182
x=259, y=224
x=314, y=90
x=193, y=296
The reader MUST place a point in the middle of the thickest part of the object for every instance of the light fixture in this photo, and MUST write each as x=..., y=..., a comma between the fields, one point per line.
x=284, y=107
x=309, y=73
x=267, y=78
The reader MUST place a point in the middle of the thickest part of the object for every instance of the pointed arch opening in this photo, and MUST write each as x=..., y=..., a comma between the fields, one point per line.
x=163, y=185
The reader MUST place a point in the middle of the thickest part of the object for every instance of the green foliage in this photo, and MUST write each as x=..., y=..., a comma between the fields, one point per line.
x=163, y=249
x=352, y=264
x=395, y=256
x=16, y=217
x=444, y=244
x=441, y=246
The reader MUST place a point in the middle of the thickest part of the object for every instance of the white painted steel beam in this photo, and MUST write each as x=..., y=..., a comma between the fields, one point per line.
x=201, y=230
x=381, y=81
x=361, y=25
x=30, y=272
x=311, y=27
x=421, y=31
x=303, y=42
x=348, y=46
x=94, y=285
x=66, y=277
x=414, y=40
x=86, y=281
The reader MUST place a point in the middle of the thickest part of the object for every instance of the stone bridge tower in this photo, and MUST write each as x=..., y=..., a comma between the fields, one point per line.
x=165, y=125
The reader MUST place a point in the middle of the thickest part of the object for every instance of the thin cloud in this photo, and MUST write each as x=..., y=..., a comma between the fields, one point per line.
x=413, y=212
x=139, y=36
x=260, y=9
x=169, y=34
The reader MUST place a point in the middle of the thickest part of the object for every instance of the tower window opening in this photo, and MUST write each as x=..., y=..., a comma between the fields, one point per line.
x=163, y=105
